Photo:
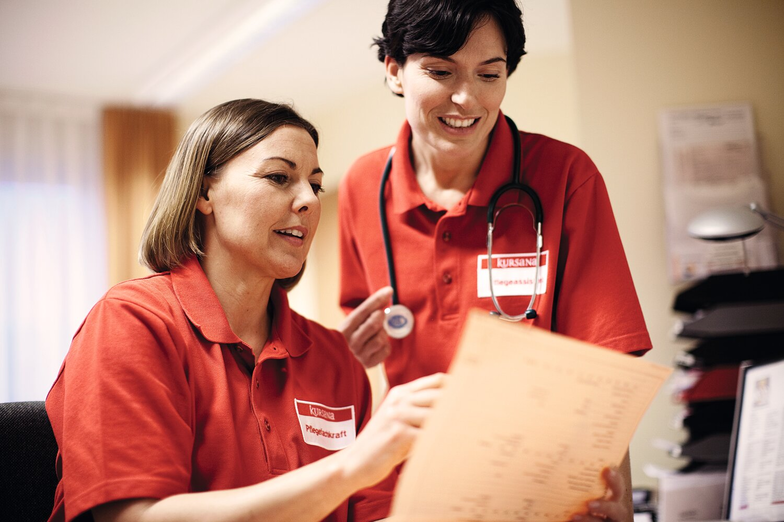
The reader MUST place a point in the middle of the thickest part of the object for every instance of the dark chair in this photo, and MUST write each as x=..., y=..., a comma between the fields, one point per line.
x=28, y=451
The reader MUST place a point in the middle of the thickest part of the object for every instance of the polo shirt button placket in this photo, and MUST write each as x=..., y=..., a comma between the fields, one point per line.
x=446, y=265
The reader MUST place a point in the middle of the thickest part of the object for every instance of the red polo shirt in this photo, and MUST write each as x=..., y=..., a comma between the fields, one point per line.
x=157, y=396
x=588, y=291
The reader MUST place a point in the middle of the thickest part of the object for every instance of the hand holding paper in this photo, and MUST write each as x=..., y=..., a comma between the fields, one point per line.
x=524, y=427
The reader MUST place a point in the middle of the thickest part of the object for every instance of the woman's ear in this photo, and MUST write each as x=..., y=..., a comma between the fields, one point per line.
x=393, y=71
x=203, y=204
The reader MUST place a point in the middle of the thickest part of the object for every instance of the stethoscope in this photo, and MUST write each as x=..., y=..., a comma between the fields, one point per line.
x=398, y=320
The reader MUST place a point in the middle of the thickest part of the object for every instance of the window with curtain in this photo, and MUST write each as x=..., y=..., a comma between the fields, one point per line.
x=53, y=266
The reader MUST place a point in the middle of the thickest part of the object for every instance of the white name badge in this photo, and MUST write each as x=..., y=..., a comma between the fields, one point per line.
x=513, y=274
x=324, y=426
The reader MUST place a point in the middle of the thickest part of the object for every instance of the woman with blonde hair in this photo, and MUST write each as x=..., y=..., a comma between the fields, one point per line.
x=196, y=393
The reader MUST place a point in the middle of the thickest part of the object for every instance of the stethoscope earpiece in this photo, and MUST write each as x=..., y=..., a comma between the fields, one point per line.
x=529, y=314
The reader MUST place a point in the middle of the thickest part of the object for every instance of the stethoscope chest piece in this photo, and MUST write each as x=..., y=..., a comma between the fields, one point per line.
x=398, y=321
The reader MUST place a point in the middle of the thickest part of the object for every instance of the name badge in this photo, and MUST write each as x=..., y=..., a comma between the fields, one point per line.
x=324, y=426
x=513, y=274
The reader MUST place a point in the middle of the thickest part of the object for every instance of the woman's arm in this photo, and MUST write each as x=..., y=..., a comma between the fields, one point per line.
x=310, y=492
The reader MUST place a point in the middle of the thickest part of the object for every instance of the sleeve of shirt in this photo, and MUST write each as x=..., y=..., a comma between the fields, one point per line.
x=596, y=299
x=121, y=409
x=373, y=503
x=353, y=284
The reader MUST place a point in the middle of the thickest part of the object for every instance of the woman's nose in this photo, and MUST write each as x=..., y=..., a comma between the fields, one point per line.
x=463, y=93
x=305, y=198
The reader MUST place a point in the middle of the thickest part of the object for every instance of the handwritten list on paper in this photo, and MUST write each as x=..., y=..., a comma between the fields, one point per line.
x=526, y=424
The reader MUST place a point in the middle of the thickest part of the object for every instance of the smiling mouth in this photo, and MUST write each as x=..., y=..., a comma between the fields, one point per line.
x=458, y=123
x=290, y=232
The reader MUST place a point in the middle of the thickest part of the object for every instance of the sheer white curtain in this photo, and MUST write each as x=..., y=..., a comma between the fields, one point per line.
x=53, y=265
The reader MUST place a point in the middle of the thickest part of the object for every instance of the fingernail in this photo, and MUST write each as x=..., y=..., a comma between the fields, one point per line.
x=577, y=518
x=593, y=504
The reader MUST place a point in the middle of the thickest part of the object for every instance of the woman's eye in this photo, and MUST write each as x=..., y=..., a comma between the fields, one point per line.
x=278, y=179
x=317, y=188
x=490, y=76
x=437, y=73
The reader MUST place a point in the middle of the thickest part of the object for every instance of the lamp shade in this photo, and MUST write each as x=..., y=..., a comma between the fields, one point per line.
x=725, y=224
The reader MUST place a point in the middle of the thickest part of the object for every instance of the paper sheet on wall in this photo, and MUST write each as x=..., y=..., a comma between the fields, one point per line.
x=525, y=425
x=710, y=160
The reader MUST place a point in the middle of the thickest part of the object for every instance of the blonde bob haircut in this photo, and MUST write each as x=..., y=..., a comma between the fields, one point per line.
x=173, y=232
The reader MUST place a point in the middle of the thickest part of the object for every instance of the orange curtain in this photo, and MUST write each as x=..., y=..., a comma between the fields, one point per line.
x=137, y=146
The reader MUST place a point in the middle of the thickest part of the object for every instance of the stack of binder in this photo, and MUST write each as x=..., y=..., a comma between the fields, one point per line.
x=732, y=318
x=728, y=319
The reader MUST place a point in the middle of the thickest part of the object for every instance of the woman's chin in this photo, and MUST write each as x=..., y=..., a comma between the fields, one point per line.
x=289, y=270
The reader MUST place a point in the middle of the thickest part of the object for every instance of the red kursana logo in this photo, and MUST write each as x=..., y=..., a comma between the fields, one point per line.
x=526, y=261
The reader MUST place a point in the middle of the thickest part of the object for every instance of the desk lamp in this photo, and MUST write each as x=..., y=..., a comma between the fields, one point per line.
x=731, y=223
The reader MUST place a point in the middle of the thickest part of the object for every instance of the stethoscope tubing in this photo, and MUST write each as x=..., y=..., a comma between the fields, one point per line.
x=382, y=205
x=492, y=215
x=515, y=184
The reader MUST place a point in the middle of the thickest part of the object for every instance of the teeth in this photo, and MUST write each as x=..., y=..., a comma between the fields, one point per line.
x=452, y=122
x=290, y=232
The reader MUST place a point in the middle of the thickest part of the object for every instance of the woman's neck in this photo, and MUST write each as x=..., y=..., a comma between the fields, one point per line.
x=445, y=178
x=244, y=299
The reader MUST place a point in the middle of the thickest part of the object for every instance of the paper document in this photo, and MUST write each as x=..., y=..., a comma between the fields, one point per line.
x=525, y=425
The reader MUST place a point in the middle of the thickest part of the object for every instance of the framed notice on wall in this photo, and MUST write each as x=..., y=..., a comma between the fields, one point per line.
x=709, y=160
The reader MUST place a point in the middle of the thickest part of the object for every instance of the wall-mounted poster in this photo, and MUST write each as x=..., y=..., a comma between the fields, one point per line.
x=710, y=160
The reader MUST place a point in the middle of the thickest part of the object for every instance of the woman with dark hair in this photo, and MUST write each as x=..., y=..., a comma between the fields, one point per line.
x=414, y=216
x=196, y=393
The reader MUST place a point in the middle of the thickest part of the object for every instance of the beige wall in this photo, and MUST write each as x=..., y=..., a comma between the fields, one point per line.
x=635, y=58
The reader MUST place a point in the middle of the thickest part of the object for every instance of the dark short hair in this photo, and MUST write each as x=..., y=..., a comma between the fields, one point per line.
x=441, y=27
x=173, y=233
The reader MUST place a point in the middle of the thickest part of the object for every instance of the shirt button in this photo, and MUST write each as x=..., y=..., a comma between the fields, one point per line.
x=447, y=278
x=267, y=425
x=257, y=383
x=446, y=236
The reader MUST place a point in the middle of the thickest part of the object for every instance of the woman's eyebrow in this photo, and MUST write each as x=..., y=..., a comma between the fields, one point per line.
x=287, y=161
x=292, y=164
x=494, y=60
x=486, y=62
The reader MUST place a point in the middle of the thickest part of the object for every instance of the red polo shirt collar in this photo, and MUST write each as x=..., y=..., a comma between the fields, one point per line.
x=204, y=311
x=404, y=191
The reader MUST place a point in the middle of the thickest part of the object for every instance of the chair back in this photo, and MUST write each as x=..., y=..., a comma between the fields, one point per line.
x=28, y=451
